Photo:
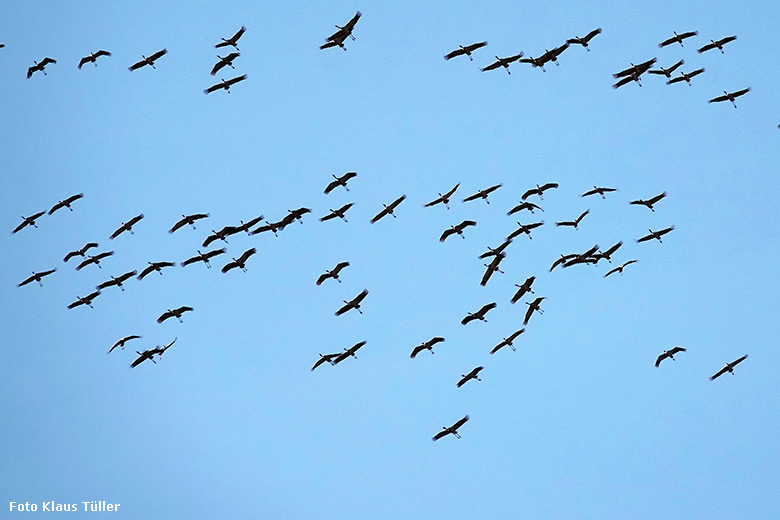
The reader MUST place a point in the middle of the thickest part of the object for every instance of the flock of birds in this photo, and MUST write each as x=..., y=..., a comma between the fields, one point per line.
x=257, y=225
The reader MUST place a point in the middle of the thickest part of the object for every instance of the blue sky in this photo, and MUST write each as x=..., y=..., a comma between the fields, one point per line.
x=577, y=423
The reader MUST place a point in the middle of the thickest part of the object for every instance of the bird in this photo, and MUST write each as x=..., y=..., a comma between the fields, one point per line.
x=666, y=72
x=498, y=251
x=269, y=226
x=389, y=209
x=523, y=289
x=204, y=257
x=530, y=206
x=465, y=50
x=294, y=214
x=339, y=181
x=118, y=281
x=340, y=36
x=143, y=356
x=443, y=199
x=685, y=77
x=539, y=190
x=87, y=300
x=532, y=307
x=507, y=342
x=37, y=277
x=492, y=268
x=327, y=358
x=465, y=378
x=668, y=354
x=233, y=40
x=503, y=62
x=729, y=367
x=456, y=230
x=224, y=61
x=246, y=225
x=549, y=55
x=126, y=226
x=562, y=260
x=29, y=221
x=730, y=96
x=633, y=73
x=240, y=261
x=222, y=234
x=479, y=315
x=354, y=303
x=121, y=342
x=582, y=258
x=574, y=223
x=154, y=266
x=337, y=213
x=619, y=269
x=649, y=202
x=92, y=58
x=678, y=38
x=483, y=194
x=598, y=190
x=607, y=255
x=426, y=345
x=524, y=228
x=148, y=60
x=161, y=350
x=66, y=203
x=94, y=259
x=171, y=313
x=585, y=40
x=39, y=66
x=347, y=353
x=80, y=252
x=334, y=273
x=188, y=219
x=655, y=234
x=451, y=430
x=225, y=84
x=717, y=44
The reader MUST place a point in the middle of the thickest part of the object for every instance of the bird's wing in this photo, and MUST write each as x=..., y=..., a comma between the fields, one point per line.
x=738, y=361
x=716, y=100
x=472, y=197
x=102, y=52
x=416, y=350
x=217, y=67
x=514, y=335
x=740, y=92
x=645, y=238
x=655, y=199
x=343, y=309
x=695, y=73
x=360, y=297
x=668, y=42
x=159, y=54
x=486, y=276
x=137, y=65
x=496, y=349
x=453, y=54
x=146, y=271
x=460, y=423
x=465, y=378
x=329, y=216
x=665, y=231
x=661, y=358
x=397, y=201
x=475, y=46
x=164, y=316
x=235, y=80
x=623, y=81
x=514, y=58
x=719, y=373
x=190, y=261
x=614, y=270
x=688, y=34
x=246, y=254
x=548, y=186
x=707, y=47
x=213, y=88
x=330, y=187
x=440, y=435
x=30, y=72
x=492, y=66
x=117, y=233
x=447, y=232
x=238, y=34
x=351, y=24
x=486, y=308
x=675, y=80
x=727, y=39
x=229, y=266
x=675, y=350
x=84, y=60
x=528, y=314
x=467, y=319
x=532, y=191
x=27, y=280
x=591, y=34
x=330, y=43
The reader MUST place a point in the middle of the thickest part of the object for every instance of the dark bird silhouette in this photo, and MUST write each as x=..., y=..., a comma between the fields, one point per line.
x=533, y=307
x=717, y=44
x=668, y=354
x=483, y=194
x=633, y=73
x=465, y=378
x=585, y=40
x=246, y=225
x=498, y=251
x=451, y=430
x=148, y=60
x=548, y=56
x=339, y=181
x=225, y=84
x=239, y=262
x=730, y=96
x=685, y=77
x=729, y=367
x=87, y=300
x=340, y=36
x=39, y=67
x=523, y=289
x=66, y=203
x=443, y=199
x=458, y=229
x=37, y=277
x=327, y=358
x=226, y=61
x=233, y=40
x=143, y=356
x=340, y=213
x=354, y=303
x=294, y=214
x=492, y=267
x=678, y=38
x=619, y=269
x=507, y=342
x=347, y=353
x=188, y=219
x=539, y=190
x=524, y=229
x=562, y=260
x=154, y=266
x=29, y=221
x=530, y=206
x=503, y=62
x=649, y=202
x=174, y=313
x=574, y=223
x=334, y=273
x=121, y=342
x=222, y=234
x=582, y=258
x=426, y=345
x=127, y=226
x=599, y=191
x=479, y=315
x=80, y=252
x=118, y=281
x=269, y=226
x=204, y=257
x=607, y=255
x=94, y=260
x=389, y=209
x=92, y=58
x=465, y=50
x=655, y=234
x=666, y=72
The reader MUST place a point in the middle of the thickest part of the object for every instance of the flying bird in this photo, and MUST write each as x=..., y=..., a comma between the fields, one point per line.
x=340, y=213
x=80, y=252
x=174, y=313
x=458, y=229
x=126, y=226
x=327, y=358
x=118, y=281
x=465, y=378
x=233, y=40
x=491, y=268
x=39, y=66
x=607, y=255
x=94, y=260
x=524, y=229
x=340, y=36
x=666, y=72
x=585, y=40
x=655, y=234
x=143, y=356
x=728, y=368
x=619, y=269
x=239, y=262
x=204, y=257
x=347, y=353
x=523, y=289
x=498, y=251
x=226, y=61
x=649, y=202
x=503, y=62
x=37, y=277
x=246, y=225
x=562, y=260
x=225, y=84
x=532, y=307
x=465, y=50
x=354, y=303
x=633, y=73
x=668, y=354
x=92, y=58
x=29, y=221
x=678, y=38
x=483, y=194
x=294, y=214
x=222, y=234
x=574, y=223
x=426, y=345
x=730, y=96
x=388, y=209
x=685, y=77
x=148, y=60
x=507, y=342
x=549, y=55
x=121, y=342
x=451, y=430
x=188, y=219
x=154, y=266
x=479, y=315
x=66, y=203
x=87, y=300
x=598, y=190
x=443, y=199
x=717, y=44
x=530, y=206
x=269, y=226
x=334, y=273
x=539, y=190
x=340, y=181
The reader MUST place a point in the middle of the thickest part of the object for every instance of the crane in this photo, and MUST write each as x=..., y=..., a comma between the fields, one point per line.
x=154, y=266
x=340, y=181
x=389, y=209
x=148, y=60
x=174, y=313
x=37, y=276
x=118, y=281
x=334, y=273
x=599, y=190
x=347, y=353
x=188, y=219
x=94, y=259
x=222, y=234
x=532, y=307
x=549, y=55
x=619, y=269
x=126, y=226
x=530, y=206
x=149, y=354
x=327, y=358
x=226, y=61
x=354, y=303
x=562, y=260
x=443, y=199
x=225, y=84
x=523, y=289
x=574, y=223
x=340, y=36
x=39, y=66
x=633, y=73
x=685, y=77
x=204, y=257
x=717, y=44
x=426, y=345
x=233, y=40
x=451, y=430
x=465, y=378
x=122, y=341
x=483, y=194
x=29, y=221
x=678, y=38
x=239, y=262
x=585, y=40
x=80, y=252
x=666, y=72
x=294, y=214
x=507, y=342
x=668, y=354
x=458, y=229
x=66, y=203
x=492, y=267
x=655, y=234
x=465, y=50
x=539, y=190
x=524, y=229
x=649, y=202
x=503, y=62
x=86, y=300
x=730, y=96
x=498, y=251
x=729, y=367
x=479, y=315
x=340, y=213
x=607, y=255
x=92, y=58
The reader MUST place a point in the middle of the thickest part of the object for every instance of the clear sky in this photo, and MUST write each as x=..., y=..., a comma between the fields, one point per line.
x=231, y=422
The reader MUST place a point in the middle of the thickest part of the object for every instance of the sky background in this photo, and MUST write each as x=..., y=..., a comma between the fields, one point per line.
x=577, y=423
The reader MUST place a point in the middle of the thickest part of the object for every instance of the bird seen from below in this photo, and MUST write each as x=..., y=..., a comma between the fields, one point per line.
x=188, y=220
x=530, y=206
x=533, y=306
x=94, y=259
x=717, y=44
x=619, y=269
x=233, y=40
x=686, y=77
x=649, y=203
x=340, y=181
x=465, y=50
x=154, y=266
x=498, y=251
x=524, y=229
x=728, y=368
x=148, y=60
x=452, y=430
x=117, y=281
x=87, y=300
x=599, y=191
x=503, y=62
x=337, y=213
x=340, y=36
x=426, y=345
x=174, y=313
x=666, y=72
x=573, y=223
x=483, y=194
x=474, y=374
x=523, y=289
x=354, y=303
x=66, y=203
x=36, y=277
x=327, y=358
x=479, y=315
x=730, y=96
x=389, y=209
x=507, y=342
x=333, y=273
x=92, y=58
x=678, y=38
x=29, y=221
x=443, y=199
x=80, y=252
x=39, y=67
x=539, y=190
x=121, y=342
x=225, y=84
x=204, y=257
x=349, y=352
x=239, y=262
x=585, y=40
x=491, y=268
x=127, y=226
x=668, y=354
x=457, y=229
x=226, y=61
x=655, y=234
